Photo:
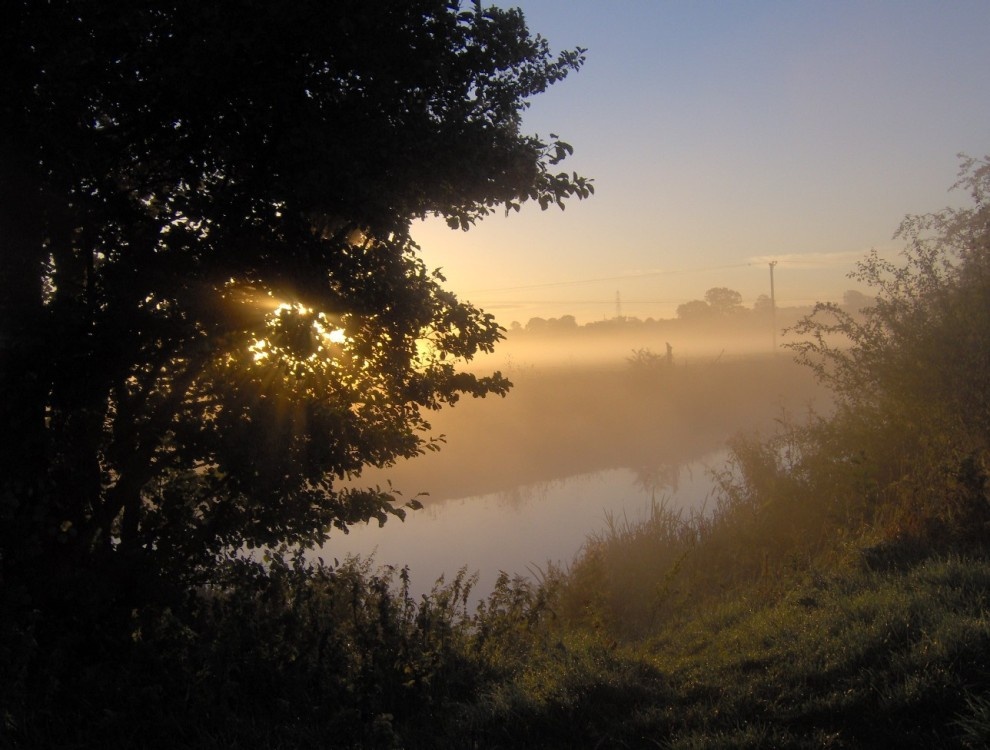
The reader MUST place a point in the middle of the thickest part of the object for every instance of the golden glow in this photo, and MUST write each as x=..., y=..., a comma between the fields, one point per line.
x=298, y=337
x=301, y=309
x=426, y=353
x=259, y=349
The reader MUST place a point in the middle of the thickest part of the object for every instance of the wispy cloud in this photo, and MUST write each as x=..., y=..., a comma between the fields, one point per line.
x=816, y=260
x=636, y=274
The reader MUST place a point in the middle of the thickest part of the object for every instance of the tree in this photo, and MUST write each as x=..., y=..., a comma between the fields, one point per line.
x=912, y=367
x=696, y=309
x=212, y=308
x=723, y=301
x=763, y=305
x=855, y=301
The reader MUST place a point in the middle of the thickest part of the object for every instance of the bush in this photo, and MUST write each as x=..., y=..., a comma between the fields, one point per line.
x=912, y=375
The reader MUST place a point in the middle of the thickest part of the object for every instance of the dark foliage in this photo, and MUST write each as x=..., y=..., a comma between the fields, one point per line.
x=212, y=309
x=910, y=372
x=212, y=314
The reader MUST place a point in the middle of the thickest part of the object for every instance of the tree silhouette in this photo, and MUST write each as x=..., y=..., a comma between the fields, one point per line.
x=723, y=301
x=855, y=301
x=212, y=308
x=696, y=309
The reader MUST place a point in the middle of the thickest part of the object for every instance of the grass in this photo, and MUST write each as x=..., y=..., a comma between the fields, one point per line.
x=868, y=650
x=812, y=606
x=855, y=658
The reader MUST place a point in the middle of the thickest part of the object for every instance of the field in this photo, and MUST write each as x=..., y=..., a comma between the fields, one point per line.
x=560, y=421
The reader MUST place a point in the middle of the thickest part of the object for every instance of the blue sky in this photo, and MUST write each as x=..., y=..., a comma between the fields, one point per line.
x=722, y=135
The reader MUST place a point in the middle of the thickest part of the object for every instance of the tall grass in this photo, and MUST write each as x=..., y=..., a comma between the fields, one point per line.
x=813, y=494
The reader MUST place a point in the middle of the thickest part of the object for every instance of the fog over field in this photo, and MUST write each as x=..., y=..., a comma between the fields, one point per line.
x=602, y=425
x=595, y=400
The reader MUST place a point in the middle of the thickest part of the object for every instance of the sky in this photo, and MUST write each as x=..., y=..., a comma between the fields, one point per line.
x=722, y=136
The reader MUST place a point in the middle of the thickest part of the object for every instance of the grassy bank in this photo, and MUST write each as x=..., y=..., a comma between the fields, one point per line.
x=665, y=634
x=835, y=594
x=853, y=658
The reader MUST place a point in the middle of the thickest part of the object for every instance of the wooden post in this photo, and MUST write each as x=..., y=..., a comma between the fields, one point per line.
x=773, y=307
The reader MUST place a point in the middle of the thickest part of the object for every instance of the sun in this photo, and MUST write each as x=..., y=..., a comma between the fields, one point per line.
x=299, y=337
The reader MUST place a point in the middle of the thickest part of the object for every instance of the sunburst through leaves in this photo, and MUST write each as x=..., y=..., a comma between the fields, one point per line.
x=299, y=338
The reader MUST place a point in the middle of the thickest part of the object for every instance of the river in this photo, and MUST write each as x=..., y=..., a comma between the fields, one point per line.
x=526, y=479
x=519, y=531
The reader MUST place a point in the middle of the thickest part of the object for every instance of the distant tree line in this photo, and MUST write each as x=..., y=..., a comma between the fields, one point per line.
x=720, y=305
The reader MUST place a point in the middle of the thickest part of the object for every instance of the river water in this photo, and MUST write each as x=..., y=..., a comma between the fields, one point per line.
x=519, y=531
x=524, y=481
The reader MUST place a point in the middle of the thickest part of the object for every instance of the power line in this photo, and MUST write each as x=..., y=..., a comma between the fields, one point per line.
x=773, y=307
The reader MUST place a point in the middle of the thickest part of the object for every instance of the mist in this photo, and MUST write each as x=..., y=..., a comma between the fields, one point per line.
x=603, y=420
x=620, y=393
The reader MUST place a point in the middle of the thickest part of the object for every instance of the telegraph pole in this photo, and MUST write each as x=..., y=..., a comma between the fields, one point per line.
x=618, y=305
x=773, y=308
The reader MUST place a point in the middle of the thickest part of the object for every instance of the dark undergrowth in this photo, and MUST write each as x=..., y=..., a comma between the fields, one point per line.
x=713, y=631
x=885, y=648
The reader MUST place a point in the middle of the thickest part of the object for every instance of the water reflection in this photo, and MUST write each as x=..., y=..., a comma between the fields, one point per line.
x=525, y=527
x=621, y=441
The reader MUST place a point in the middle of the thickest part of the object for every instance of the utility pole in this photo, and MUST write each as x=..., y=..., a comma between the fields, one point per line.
x=618, y=305
x=773, y=307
